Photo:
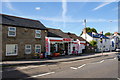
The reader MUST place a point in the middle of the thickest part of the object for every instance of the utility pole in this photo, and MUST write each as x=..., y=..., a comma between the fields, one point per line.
x=85, y=28
x=110, y=40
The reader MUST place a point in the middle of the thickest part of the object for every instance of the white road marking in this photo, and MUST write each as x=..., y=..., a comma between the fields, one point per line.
x=82, y=66
x=101, y=61
x=41, y=75
x=73, y=68
x=118, y=78
x=115, y=58
x=29, y=67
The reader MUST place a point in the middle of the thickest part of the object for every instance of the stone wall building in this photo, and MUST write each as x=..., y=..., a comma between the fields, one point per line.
x=21, y=37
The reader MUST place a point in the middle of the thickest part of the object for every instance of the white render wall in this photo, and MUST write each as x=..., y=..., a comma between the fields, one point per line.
x=99, y=45
x=88, y=38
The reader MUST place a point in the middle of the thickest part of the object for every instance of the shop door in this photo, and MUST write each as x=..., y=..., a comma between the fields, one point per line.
x=66, y=48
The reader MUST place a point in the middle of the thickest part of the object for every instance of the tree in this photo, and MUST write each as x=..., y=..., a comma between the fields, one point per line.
x=89, y=30
x=108, y=34
x=93, y=30
x=93, y=43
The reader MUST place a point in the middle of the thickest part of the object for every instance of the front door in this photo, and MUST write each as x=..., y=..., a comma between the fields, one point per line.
x=66, y=48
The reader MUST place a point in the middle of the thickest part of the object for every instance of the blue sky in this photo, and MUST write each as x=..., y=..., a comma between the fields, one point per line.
x=68, y=16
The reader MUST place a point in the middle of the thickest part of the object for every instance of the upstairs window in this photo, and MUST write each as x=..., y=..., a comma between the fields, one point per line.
x=12, y=31
x=27, y=49
x=37, y=33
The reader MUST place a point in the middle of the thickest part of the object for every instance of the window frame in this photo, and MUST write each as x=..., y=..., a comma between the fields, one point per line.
x=37, y=48
x=28, y=48
x=12, y=54
x=37, y=33
x=11, y=31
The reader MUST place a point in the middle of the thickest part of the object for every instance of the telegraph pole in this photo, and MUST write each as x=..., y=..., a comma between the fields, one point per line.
x=85, y=27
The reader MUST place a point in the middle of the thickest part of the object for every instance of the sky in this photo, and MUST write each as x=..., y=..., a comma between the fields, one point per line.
x=68, y=16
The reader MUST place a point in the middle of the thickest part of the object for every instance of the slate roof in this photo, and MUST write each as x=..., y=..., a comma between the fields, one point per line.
x=57, y=32
x=97, y=35
x=20, y=22
x=74, y=36
x=49, y=34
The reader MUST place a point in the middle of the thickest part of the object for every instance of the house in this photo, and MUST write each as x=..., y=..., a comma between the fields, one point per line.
x=114, y=41
x=104, y=46
x=21, y=37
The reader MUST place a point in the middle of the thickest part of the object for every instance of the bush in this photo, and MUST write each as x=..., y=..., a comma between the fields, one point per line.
x=93, y=43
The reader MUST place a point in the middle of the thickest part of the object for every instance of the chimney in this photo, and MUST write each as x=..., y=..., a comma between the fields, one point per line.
x=84, y=31
x=115, y=33
x=101, y=32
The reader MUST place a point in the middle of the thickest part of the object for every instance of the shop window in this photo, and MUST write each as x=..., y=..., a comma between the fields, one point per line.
x=37, y=48
x=11, y=49
x=37, y=33
x=12, y=31
x=27, y=49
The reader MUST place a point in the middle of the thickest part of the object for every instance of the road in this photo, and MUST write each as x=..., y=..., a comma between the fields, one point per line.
x=100, y=67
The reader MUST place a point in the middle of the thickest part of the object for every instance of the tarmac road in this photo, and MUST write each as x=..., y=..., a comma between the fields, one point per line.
x=99, y=67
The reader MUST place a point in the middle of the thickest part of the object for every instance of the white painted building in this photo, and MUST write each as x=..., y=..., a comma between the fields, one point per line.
x=104, y=46
x=114, y=41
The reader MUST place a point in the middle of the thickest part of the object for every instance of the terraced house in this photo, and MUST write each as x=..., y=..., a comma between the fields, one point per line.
x=21, y=37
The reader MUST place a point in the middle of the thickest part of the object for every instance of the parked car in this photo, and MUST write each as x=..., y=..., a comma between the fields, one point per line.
x=118, y=50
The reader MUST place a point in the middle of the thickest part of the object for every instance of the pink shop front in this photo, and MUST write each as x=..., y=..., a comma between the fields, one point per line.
x=63, y=46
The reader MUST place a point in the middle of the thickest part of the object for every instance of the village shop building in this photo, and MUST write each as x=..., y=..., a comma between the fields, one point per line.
x=78, y=43
x=59, y=42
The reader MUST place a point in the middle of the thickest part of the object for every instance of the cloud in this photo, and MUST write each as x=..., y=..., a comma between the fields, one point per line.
x=105, y=2
x=64, y=11
x=9, y=5
x=101, y=5
x=37, y=8
x=64, y=8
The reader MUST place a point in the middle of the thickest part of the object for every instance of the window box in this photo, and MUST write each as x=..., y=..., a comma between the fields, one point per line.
x=11, y=49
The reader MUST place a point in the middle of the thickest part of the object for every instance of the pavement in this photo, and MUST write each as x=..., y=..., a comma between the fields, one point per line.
x=53, y=60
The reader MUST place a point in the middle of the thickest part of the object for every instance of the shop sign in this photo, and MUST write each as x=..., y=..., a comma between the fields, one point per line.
x=66, y=39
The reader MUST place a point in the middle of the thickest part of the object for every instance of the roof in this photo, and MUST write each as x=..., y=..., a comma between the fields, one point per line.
x=97, y=35
x=49, y=34
x=74, y=36
x=20, y=22
x=58, y=32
